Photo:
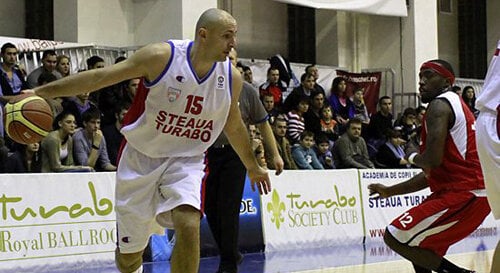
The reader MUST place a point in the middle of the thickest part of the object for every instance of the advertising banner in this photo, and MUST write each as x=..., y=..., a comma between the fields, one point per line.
x=380, y=212
x=369, y=82
x=56, y=219
x=312, y=209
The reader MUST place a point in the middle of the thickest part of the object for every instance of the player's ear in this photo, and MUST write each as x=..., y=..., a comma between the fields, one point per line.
x=202, y=33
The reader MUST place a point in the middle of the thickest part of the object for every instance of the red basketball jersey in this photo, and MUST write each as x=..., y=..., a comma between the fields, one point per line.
x=460, y=168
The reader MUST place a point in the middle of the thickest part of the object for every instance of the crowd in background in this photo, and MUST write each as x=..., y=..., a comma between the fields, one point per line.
x=312, y=131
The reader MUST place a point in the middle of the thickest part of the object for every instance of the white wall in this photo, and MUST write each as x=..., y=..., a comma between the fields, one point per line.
x=493, y=26
x=448, y=37
x=12, y=20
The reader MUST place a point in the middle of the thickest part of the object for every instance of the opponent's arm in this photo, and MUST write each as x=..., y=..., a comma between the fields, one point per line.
x=147, y=62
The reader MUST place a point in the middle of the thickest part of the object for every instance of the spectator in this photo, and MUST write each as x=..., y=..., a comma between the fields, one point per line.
x=273, y=86
x=391, y=154
x=110, y=97
x=248, y=76
x=4, y=153
x=111, y=133
x=312, y=117
x=63, y=65
x=55, y=103
x=49, y=61
x=57, y=147
x=95, y=62
x=360, y=110
x=350, y=149
x=77, y=105
x=303, y=153
x=469, y=97
x=312, y=69
x=457, y=89
x=11, y=78
x=295, y=120
x=420, y=115
x=328, y=124
x=379, y=123
x=408, y=127
x=268, y=102
x=89, y=145
x=342, y=106
x=305, y=89
x=323, y=152
x=284, y=147
x=25, y=159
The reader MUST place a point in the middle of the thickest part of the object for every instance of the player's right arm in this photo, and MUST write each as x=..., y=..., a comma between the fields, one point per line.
x=147, y=62
x=416, y=183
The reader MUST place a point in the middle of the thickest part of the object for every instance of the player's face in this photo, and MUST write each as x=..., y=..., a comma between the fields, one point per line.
x=431, y=84
x=222, y=39
x=10, y=56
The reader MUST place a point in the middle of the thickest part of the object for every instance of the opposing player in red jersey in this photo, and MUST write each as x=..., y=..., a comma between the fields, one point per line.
x=448, y=156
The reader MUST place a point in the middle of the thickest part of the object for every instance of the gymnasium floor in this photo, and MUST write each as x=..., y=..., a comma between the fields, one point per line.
x=471, y=253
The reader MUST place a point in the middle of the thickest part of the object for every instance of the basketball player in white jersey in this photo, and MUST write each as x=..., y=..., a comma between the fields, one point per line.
x=193, y=97
x=488, y=140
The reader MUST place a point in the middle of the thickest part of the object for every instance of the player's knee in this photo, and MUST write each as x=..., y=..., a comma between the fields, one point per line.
x=186, y=221
x=128, y=262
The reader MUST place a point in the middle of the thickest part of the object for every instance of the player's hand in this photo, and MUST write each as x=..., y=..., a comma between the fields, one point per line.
x=379, y=191
x=259, y=178
x=278, y=164
x=28, y=91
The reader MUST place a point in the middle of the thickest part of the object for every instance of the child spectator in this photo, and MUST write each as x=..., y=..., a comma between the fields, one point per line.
x=360, y=110
x=328, y=124
x=303, y=153
x=323, y=152
x=295, y=120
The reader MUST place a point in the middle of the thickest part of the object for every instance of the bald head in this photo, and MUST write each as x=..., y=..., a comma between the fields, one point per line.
x=212, y=18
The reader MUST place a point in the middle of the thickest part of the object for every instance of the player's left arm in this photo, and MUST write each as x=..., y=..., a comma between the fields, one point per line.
x=238, y=137
x=438, y=121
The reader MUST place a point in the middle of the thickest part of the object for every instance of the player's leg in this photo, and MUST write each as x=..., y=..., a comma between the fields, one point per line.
x=495, y=265
x=424, y=233
x=128, y=262
x=186, y=252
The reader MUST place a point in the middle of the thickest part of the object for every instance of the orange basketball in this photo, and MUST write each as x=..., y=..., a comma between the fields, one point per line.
x=27, y=119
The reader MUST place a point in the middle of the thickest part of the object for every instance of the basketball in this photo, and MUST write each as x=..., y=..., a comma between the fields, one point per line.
x=27, y=119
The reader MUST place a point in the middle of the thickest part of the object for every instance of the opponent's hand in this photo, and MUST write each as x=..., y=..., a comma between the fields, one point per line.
x=259, y=178
x=379, y=191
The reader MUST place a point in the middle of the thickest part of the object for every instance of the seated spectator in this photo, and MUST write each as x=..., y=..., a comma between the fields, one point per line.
x=469, y=97
x=63, y=65
x=360, y=110
x=283, y=145
x=323, y=152
x=295, y=120
x=49, y=61
x=379, y=123
x=111, y=133
x=77, y=105
x=312, y=69
x=312, y=118
x=273, y=86
x=55, y=103
x=110, y=97
x=350, y=149
x=409, y=130
x=95, y=62
x=4, y=154
x=25, y=159
x=11, y=77
x=328, y=124
x=391, y=155
x=89, y=145
x=248, y=77
x=303, y=153
x=457, y=89
x=342, y=106
x=268, y=102
x=57, y=147
x=305, y=89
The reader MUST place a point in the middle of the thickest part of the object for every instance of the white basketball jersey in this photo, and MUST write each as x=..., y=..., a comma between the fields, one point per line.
x=183, y=114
